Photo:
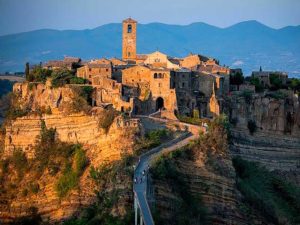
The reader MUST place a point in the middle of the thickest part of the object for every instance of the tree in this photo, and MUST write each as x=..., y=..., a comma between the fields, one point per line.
x=258, y=86
x=237, y=78
x=27, y=71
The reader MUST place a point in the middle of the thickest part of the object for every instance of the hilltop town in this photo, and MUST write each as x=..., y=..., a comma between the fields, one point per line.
x=150, y=137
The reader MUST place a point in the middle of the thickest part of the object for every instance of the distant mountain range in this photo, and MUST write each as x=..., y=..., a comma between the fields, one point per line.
x=247, y=45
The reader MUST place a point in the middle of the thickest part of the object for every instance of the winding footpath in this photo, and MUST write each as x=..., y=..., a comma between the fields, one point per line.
x=140, y=178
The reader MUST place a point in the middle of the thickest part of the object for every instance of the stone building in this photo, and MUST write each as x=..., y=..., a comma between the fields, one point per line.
x=129, y=40
x=67, y=63
x=264, y=76
x=146, y=83
x=92, y=70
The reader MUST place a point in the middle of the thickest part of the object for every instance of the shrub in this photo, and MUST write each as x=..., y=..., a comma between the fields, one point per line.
x=71, y=174
x=192, y=120
x=38, y=74
x=78, y=80
x=66, y=182
x=80, y=160
x=236, y=79
x=275, y=81
x=61, y=77
x=19, y=161
x=107, y=118
x=277, y=95
x=258, y=86
x=252, y=126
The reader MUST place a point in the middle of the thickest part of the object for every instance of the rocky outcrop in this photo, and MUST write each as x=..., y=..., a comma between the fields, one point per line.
x=74, y=128
x=271, y=115
x=276, y=139
x=101, y=146
x=217, y=189
x=276, y=152
x=39, y=95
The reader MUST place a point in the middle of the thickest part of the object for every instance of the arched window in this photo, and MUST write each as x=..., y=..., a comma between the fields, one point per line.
x=159, y=75
x=129, y=28
x=155, y=75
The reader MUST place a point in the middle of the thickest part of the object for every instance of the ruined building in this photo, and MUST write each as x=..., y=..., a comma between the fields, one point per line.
x=146, y=83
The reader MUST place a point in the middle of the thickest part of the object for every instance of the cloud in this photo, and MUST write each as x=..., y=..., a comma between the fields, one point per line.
x=46, y=52
x=238, y=63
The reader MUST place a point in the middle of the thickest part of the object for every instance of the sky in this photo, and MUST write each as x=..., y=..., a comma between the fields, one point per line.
x=26, y=15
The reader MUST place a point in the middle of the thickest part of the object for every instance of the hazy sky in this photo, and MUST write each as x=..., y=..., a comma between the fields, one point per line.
x=25, y=15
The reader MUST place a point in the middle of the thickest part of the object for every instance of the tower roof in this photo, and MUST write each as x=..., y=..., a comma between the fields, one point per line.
x=129, y=20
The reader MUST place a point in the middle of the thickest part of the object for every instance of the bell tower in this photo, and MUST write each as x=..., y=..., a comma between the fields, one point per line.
x=129, y=39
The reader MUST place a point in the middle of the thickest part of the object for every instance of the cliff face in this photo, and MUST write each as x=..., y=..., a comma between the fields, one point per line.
x=74, y=128
x=208, y=177
x=100, y=146
x=38, y=95
x=276, y=140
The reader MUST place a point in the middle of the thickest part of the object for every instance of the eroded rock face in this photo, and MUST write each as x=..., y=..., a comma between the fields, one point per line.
x=78, y=128
x=276, y=141
x=38, y=95
x=101, y=145
x=274, y=116
x=220, y=196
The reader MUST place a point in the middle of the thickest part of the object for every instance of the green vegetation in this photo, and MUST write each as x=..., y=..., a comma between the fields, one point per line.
x=19, y=162
x=71, y=174
x=294, y=84
x=236, y=79
x=192, y=120
x=277, y=95
x=189, y=208
x=27, y=71
x=109, y=195
x=38, y=74
x=276, y=199
x=61, y=77
x=276, y=81
x=78, y=80
x=58, y=77
x=152, y=139
x=258, y=86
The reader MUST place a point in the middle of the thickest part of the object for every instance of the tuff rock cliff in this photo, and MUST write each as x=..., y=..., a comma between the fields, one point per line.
x=101, y=144
x=275, y=138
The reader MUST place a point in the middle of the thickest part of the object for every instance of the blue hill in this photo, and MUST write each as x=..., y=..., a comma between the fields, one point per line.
x=247, y=44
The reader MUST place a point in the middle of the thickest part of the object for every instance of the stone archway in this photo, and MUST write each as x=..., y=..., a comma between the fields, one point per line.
x=159, y=103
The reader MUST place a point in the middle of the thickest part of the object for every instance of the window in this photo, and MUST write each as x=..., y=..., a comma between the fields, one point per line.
x=159, y=75
x=159, y=84
x=128, y=54
x=183, y=84
x=155, y=75
x=129, y=28
x=106, y=70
